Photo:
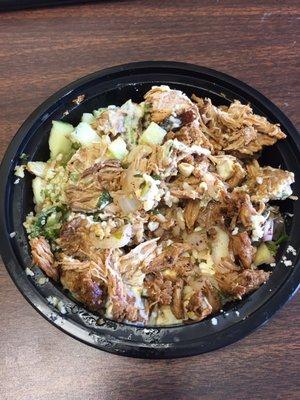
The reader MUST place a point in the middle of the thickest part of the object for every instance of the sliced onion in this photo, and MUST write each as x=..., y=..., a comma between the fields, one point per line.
x=268, y=230
x=197, y=240
x=128, y=204
x=118, y=239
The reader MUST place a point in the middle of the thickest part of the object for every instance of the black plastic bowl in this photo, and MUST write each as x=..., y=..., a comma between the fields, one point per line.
x=115, y=86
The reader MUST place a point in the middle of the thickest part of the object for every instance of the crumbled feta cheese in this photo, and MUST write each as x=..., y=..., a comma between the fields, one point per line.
x=203, y=186
x=12, y=234
x=259, y=180
x=186, y=169
x=186, y=186
x=237, y=313
x=153, y=226
x=292, y=250
x=214, y=321
x=151, y=193
x=29, y=272
x=235, y=231
x=194, y=149
x=273, y=265
x=257, y=226
x=287, y=263
x=60, y=306
x=225, y=167
x=42, y=280
x=16, y=181
x=53, y=300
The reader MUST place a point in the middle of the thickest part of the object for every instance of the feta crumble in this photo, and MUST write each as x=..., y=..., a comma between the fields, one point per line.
x=292, y=250
x=29, y=272
x=153, y=226
x=214, y=321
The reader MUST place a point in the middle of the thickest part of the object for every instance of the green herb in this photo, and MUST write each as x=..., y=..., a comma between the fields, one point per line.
x=224, y=298
x=283, y=238
x=75, y=146
x=143, y=185
x=138, y=175
x=48, y=222
x=155, y=212
x=104, y=200
x=24, y=156
x=74, y=176
x=156, y=177
x=273, y=246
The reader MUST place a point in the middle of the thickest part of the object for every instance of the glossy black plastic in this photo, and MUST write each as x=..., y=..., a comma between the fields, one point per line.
x=115, y=86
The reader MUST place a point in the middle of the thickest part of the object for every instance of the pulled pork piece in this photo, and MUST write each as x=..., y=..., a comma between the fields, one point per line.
x=85, y=280
x=191, y=134
x=206, y=186
x=168, y=258
x=203, y=302
x=212, y=214
x=236, y=128
x=163, y=102
x=42, y=256
x=159, y=289
x=101, y=178
x=138, y=220
x=111, y=121
x=191, y=213
x=77, y=239
x=239, y=204
x=124, y=303
x=131, y=263
x=235, y=282
x=86, y=157
x=242, y=248
x=267, y=183
x=177, y=299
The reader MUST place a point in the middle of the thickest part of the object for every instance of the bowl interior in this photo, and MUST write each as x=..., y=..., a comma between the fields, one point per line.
x=101, y=90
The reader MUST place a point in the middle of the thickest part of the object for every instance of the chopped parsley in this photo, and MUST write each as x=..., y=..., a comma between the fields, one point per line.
x=156, y=177
x=48, y=222
x=104, y=200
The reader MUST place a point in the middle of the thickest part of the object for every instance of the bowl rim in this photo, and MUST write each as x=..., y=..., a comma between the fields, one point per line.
x=240, y=329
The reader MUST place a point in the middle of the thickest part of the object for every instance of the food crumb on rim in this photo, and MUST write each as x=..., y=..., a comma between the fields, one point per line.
x=29, y=272
x=214, y=321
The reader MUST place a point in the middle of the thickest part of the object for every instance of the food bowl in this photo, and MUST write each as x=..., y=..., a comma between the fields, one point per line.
x=115, y=86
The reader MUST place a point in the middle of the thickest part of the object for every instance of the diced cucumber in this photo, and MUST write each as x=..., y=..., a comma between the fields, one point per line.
x=38, y=187
x=263, y=255
x=85, y=134
x=154, y=134
x=59, y=142
x=134, y=113
x=118, y=149
x=37, y=168
x=88, y=118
